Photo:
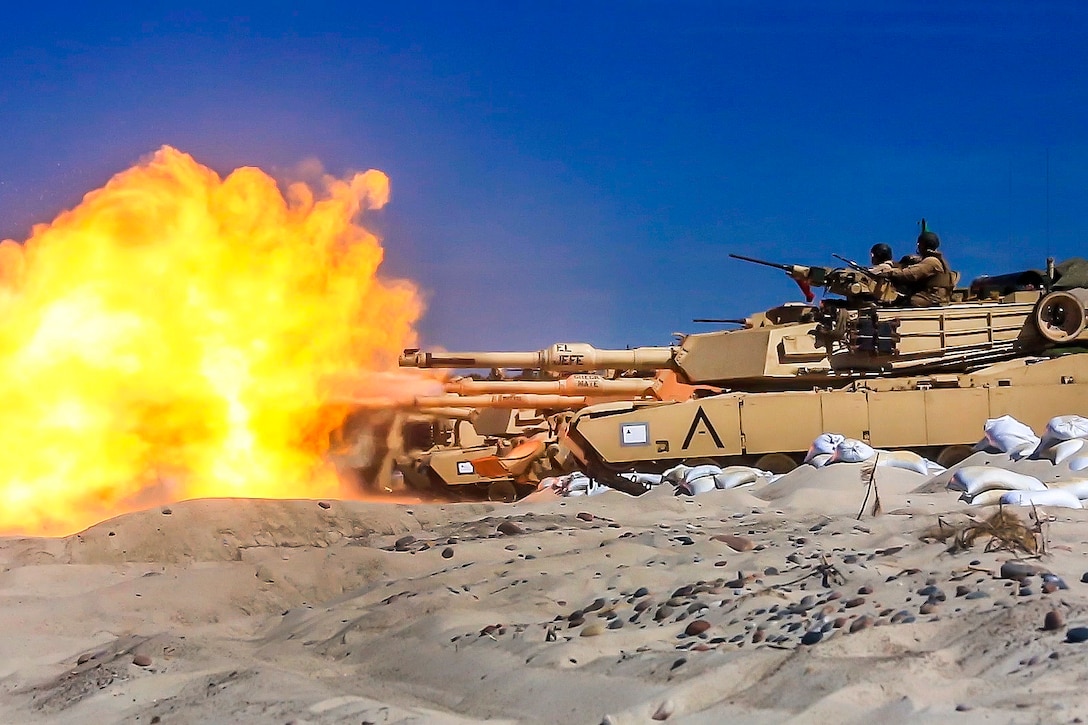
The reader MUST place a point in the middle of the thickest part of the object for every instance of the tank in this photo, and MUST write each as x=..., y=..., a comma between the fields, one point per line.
x=924, y=379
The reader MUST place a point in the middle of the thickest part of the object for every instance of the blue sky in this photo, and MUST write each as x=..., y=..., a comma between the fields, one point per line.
x=579, y=171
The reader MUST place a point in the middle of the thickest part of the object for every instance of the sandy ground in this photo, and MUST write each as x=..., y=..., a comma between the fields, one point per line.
x=580, y=610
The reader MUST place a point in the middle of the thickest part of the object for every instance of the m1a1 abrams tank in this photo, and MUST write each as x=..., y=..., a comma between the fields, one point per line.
x=918, y=378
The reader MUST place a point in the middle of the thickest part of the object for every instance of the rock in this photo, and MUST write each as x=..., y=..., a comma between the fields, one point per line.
x=977, y=594
x=758, y=636
x=585, y=516
x=141, y=660
x=812, y=637
x=1076, y=634
x=167, y=511
x=962, y=590
x=1053, y=620
x=1018, y=570
x=404, y=542
x=736, y=543
x=322, y=504
x=663, y=612
x=642, y=604
x=839, y=622
x=855, y=602
x=641, y=592
x=447, y=553
x=928, y=608
x=509, y=528
x=865, y=589
x=697, y=627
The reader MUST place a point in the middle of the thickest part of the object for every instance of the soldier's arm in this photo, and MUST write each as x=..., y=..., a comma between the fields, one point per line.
x=916, y=272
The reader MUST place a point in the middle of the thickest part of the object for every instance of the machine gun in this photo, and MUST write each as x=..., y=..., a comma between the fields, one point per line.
x=856, y=283
x=805, y=277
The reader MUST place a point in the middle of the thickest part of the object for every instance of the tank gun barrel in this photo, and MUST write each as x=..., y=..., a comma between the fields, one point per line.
x=525, y=401
x=578, y=384
x=561, y=357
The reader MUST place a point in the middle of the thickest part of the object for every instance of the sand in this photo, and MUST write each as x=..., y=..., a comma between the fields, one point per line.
x=580, y=610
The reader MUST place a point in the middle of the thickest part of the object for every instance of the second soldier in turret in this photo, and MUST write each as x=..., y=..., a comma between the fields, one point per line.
x=930, y=281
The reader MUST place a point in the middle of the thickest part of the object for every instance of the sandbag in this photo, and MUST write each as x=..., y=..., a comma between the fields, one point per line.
x=984, y=498
x=906, y=460
x=696, y=485
x=974, y=479
x=736, y=476
x=1060, y=451
x=850, y=450
x=1008, y=435
x=824, y=444
x=1078, y=464
x=1076, y=486
x=1061, y=428
x=1050, y=497
x=649, y=480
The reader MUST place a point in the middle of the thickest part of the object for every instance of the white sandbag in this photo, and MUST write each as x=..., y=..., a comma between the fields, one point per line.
x=975, y=479
x=984, y=498
x=736, y=476
x=1008, y=435
x=675, y=475
x=1078, y=464
x=819, y=460
x=1050, y=497
x=824, y=444
x=1060, y=450
x=907, y=460
x=851, y=450
x=1061, y=428
x=696, y=485
x=649, y=480
x=1076, y=486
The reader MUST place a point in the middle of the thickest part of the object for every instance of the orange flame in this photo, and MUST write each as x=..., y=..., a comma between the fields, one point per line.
x=168, y=338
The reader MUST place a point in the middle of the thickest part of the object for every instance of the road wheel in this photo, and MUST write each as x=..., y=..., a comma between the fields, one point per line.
x=776, y=463
x=502, y=491
x=951, y=455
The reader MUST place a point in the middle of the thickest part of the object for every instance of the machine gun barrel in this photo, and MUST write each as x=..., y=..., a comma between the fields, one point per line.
x=562, y=357
x=784, y=267
x=850, y=263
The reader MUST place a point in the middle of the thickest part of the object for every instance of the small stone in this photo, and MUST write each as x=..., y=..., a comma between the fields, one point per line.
x=322, y=504
x=758, y=636
x=141, y=660
x=642, y=604
x=861, y=623
x=855, y=602
x=962, y=708
x=664, y=710
x=770, y=571
x=977, y=594
x=1084, y=578
x=865, y=590
x=839, y=622
x=834, y=595
x=1077, y=634
x=699, y=626
x=641, y=592
x=404, y=542
x=585, y=516
x=167, y=511
x=812, y=637
x=447, y=553
x=962, y=590
x=663, y=612
x=1053, y=620
x=736, y=543
x=928, y=608
x=1050, y=587
x=509, y=528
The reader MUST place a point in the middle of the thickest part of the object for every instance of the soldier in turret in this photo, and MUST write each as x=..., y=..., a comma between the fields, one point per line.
x=929, y=281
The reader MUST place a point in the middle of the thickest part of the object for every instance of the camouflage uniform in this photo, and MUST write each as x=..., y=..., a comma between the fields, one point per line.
x=930, y=281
